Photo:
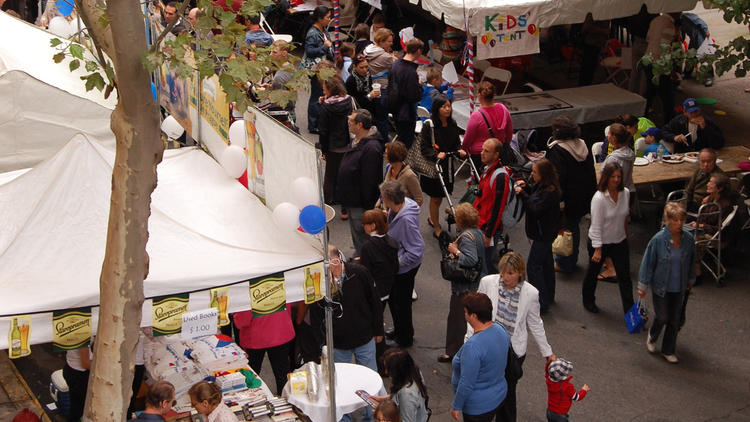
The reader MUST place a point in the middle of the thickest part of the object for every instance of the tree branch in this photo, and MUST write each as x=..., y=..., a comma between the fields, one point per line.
x=170, y=25
x=92, y=12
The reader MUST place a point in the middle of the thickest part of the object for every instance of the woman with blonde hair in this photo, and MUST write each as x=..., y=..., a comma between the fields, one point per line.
x=205, y=398
x=380, y=58
x=468, y=248
x=515, y=306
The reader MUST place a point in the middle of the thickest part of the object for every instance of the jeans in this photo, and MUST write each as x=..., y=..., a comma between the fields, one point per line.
x=359, y=237
x=279, y=358
x=400, y=304
x=668, y=310
x=620, y=254
x=363, y=355
x=568, y=263
x=313, y=107
x=541, y=272
x=556, y=417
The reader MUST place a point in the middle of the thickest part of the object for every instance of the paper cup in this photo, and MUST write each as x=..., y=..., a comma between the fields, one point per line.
x=376, y=87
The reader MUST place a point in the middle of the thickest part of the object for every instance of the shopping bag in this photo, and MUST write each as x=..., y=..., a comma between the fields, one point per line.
x=635, y=318
x=563, y=244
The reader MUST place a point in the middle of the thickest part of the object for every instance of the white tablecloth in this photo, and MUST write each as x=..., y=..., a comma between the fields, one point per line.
x=349, y=378
x=592, y=103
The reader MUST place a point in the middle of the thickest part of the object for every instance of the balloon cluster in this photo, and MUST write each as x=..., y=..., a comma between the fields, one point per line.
x=304, y=210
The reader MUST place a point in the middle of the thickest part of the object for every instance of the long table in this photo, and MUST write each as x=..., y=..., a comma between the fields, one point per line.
x=660, y=172
x=584, y=104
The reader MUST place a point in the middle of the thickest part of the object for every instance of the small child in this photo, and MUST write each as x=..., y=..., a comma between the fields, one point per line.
x=653, y=138
x=361, y=38
x=387, y=411
x=433, y=87
x=560, y=391
x=344, y=60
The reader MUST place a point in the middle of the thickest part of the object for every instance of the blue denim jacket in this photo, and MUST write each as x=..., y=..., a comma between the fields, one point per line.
x=656, y=266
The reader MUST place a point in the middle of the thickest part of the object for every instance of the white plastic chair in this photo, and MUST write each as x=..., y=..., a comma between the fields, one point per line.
x=267, y=27
x=421, y=112
x=498, y=74
x=596, y=149
x=640, y=146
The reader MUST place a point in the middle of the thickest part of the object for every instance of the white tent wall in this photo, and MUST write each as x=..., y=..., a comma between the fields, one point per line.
x=206, y=230
x=551, y=12
x=43, y=103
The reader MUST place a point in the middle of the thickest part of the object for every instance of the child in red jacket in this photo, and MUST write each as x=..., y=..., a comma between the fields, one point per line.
x=560, y=391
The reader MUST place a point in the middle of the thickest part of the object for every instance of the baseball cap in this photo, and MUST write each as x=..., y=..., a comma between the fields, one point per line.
x=653, y=131
x=690, y=105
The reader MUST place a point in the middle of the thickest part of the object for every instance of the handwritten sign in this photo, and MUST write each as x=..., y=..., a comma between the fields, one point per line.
x=71, y=329
x=199, y=323
x=505, y=35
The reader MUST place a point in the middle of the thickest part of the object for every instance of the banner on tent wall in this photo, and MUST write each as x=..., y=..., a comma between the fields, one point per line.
x=18, y=336
x=255, y=176
x=313, y=275
x=505, y=35
x=71, y=329
x=214, y=106
x=168, y=310
x=174, y=95
x=220, y=301
x=267, y=295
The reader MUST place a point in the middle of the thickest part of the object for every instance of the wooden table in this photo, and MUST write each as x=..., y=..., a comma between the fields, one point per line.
x=660, y=172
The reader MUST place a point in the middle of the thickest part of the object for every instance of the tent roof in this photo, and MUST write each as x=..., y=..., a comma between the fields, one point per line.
x=205, y=229
x=551, y=12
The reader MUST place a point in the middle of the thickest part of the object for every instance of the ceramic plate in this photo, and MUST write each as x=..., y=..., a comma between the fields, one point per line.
x=641, y=161
x=673, y=159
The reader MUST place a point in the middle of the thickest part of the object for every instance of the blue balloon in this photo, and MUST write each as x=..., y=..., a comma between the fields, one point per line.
x=312, y=219
x=65, y=7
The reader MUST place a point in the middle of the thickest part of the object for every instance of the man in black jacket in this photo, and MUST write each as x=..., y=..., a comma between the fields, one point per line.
x=360, y=324
x=405, y=91
x=692, y=131
x=360, y=173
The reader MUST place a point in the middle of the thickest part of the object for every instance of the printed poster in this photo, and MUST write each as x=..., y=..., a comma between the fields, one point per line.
x=255, y=178
x=71, y=329
x=313, y=276
x=505, y=35
x=18, y=336
x=214, y=106
x=220, y=301
x=267, y=295
x=168, y=310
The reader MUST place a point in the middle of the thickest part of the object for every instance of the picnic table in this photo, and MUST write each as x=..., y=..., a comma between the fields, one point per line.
x=661, y=172
x=585, y=104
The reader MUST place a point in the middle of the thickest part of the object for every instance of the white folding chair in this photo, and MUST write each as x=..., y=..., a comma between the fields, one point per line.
x=596, y=148
x=619, y=67
x=421, y=112
x=482, y=65
x=640, y=146
x=498, y=74
x=267, y=27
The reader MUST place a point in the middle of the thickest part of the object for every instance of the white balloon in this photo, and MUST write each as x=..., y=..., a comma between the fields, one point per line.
x=238, y=134
x=61, y=27
x=305, y=192
x=172, y=128
x=234, y=161
x=286, y=216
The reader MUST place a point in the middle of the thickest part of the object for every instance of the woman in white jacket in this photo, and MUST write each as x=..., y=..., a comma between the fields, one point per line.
x=515, y=306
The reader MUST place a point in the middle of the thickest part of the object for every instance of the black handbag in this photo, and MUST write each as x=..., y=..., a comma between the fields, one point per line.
x=451, y=270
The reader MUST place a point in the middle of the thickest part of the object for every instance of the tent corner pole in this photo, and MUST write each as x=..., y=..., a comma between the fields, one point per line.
x=329, y=311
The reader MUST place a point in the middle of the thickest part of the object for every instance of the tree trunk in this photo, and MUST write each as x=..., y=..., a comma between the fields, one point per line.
x=135, y=123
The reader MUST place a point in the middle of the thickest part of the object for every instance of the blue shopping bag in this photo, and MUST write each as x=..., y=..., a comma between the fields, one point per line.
x=635, y=318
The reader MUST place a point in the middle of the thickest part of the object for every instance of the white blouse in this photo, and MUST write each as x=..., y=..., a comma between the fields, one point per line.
x=608, y=218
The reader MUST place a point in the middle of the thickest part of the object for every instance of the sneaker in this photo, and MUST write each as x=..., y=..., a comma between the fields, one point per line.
x=671, y=358
x=414, y=295
x=651, y=346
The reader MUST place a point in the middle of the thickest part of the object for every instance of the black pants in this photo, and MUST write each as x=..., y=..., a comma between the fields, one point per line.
x=513, y=372
x=455, y=329
x=333, y=162
x=313, y=107
x=78, y=382
x=540, y=268
x=620, y=254
x=668, y=310
x=140, y=370
x=279, y=358
x=400, y=304
x=484, y=417
x=405, y=131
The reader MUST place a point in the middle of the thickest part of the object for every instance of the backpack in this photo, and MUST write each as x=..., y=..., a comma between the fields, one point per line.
x=512, y=209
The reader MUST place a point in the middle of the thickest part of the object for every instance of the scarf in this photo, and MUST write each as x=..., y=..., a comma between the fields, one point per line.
x=363, y=82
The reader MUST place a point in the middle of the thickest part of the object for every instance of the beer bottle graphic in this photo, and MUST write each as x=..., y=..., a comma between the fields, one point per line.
x=15, y=340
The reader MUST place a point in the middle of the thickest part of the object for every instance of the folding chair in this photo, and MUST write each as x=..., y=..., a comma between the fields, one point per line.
x=421, y=112
x=267, y=27
x=498, y=74
x=711, y=243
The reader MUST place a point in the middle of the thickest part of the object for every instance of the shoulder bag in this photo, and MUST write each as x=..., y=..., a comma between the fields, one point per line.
x=419, y=164
x=451, y=270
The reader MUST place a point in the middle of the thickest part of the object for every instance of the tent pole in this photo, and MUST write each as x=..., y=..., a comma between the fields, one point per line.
x=329, y=311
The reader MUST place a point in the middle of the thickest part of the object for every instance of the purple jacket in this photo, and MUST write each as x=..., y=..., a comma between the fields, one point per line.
x=404, y=228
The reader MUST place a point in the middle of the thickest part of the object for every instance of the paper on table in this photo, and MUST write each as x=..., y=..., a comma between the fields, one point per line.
x=449, y=73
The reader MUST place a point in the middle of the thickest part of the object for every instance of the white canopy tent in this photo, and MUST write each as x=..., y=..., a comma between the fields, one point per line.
x=551, y=12
x=206, y=230
x=43, y=103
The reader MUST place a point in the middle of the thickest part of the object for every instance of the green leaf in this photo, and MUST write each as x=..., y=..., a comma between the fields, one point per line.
x=54, y=42
x=76, y=50
x=74, y=64
x=59, y=57
x=93, y=80
x=91, y=66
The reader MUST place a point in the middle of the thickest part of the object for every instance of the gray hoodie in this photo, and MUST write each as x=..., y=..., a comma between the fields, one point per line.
x=625, y=157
